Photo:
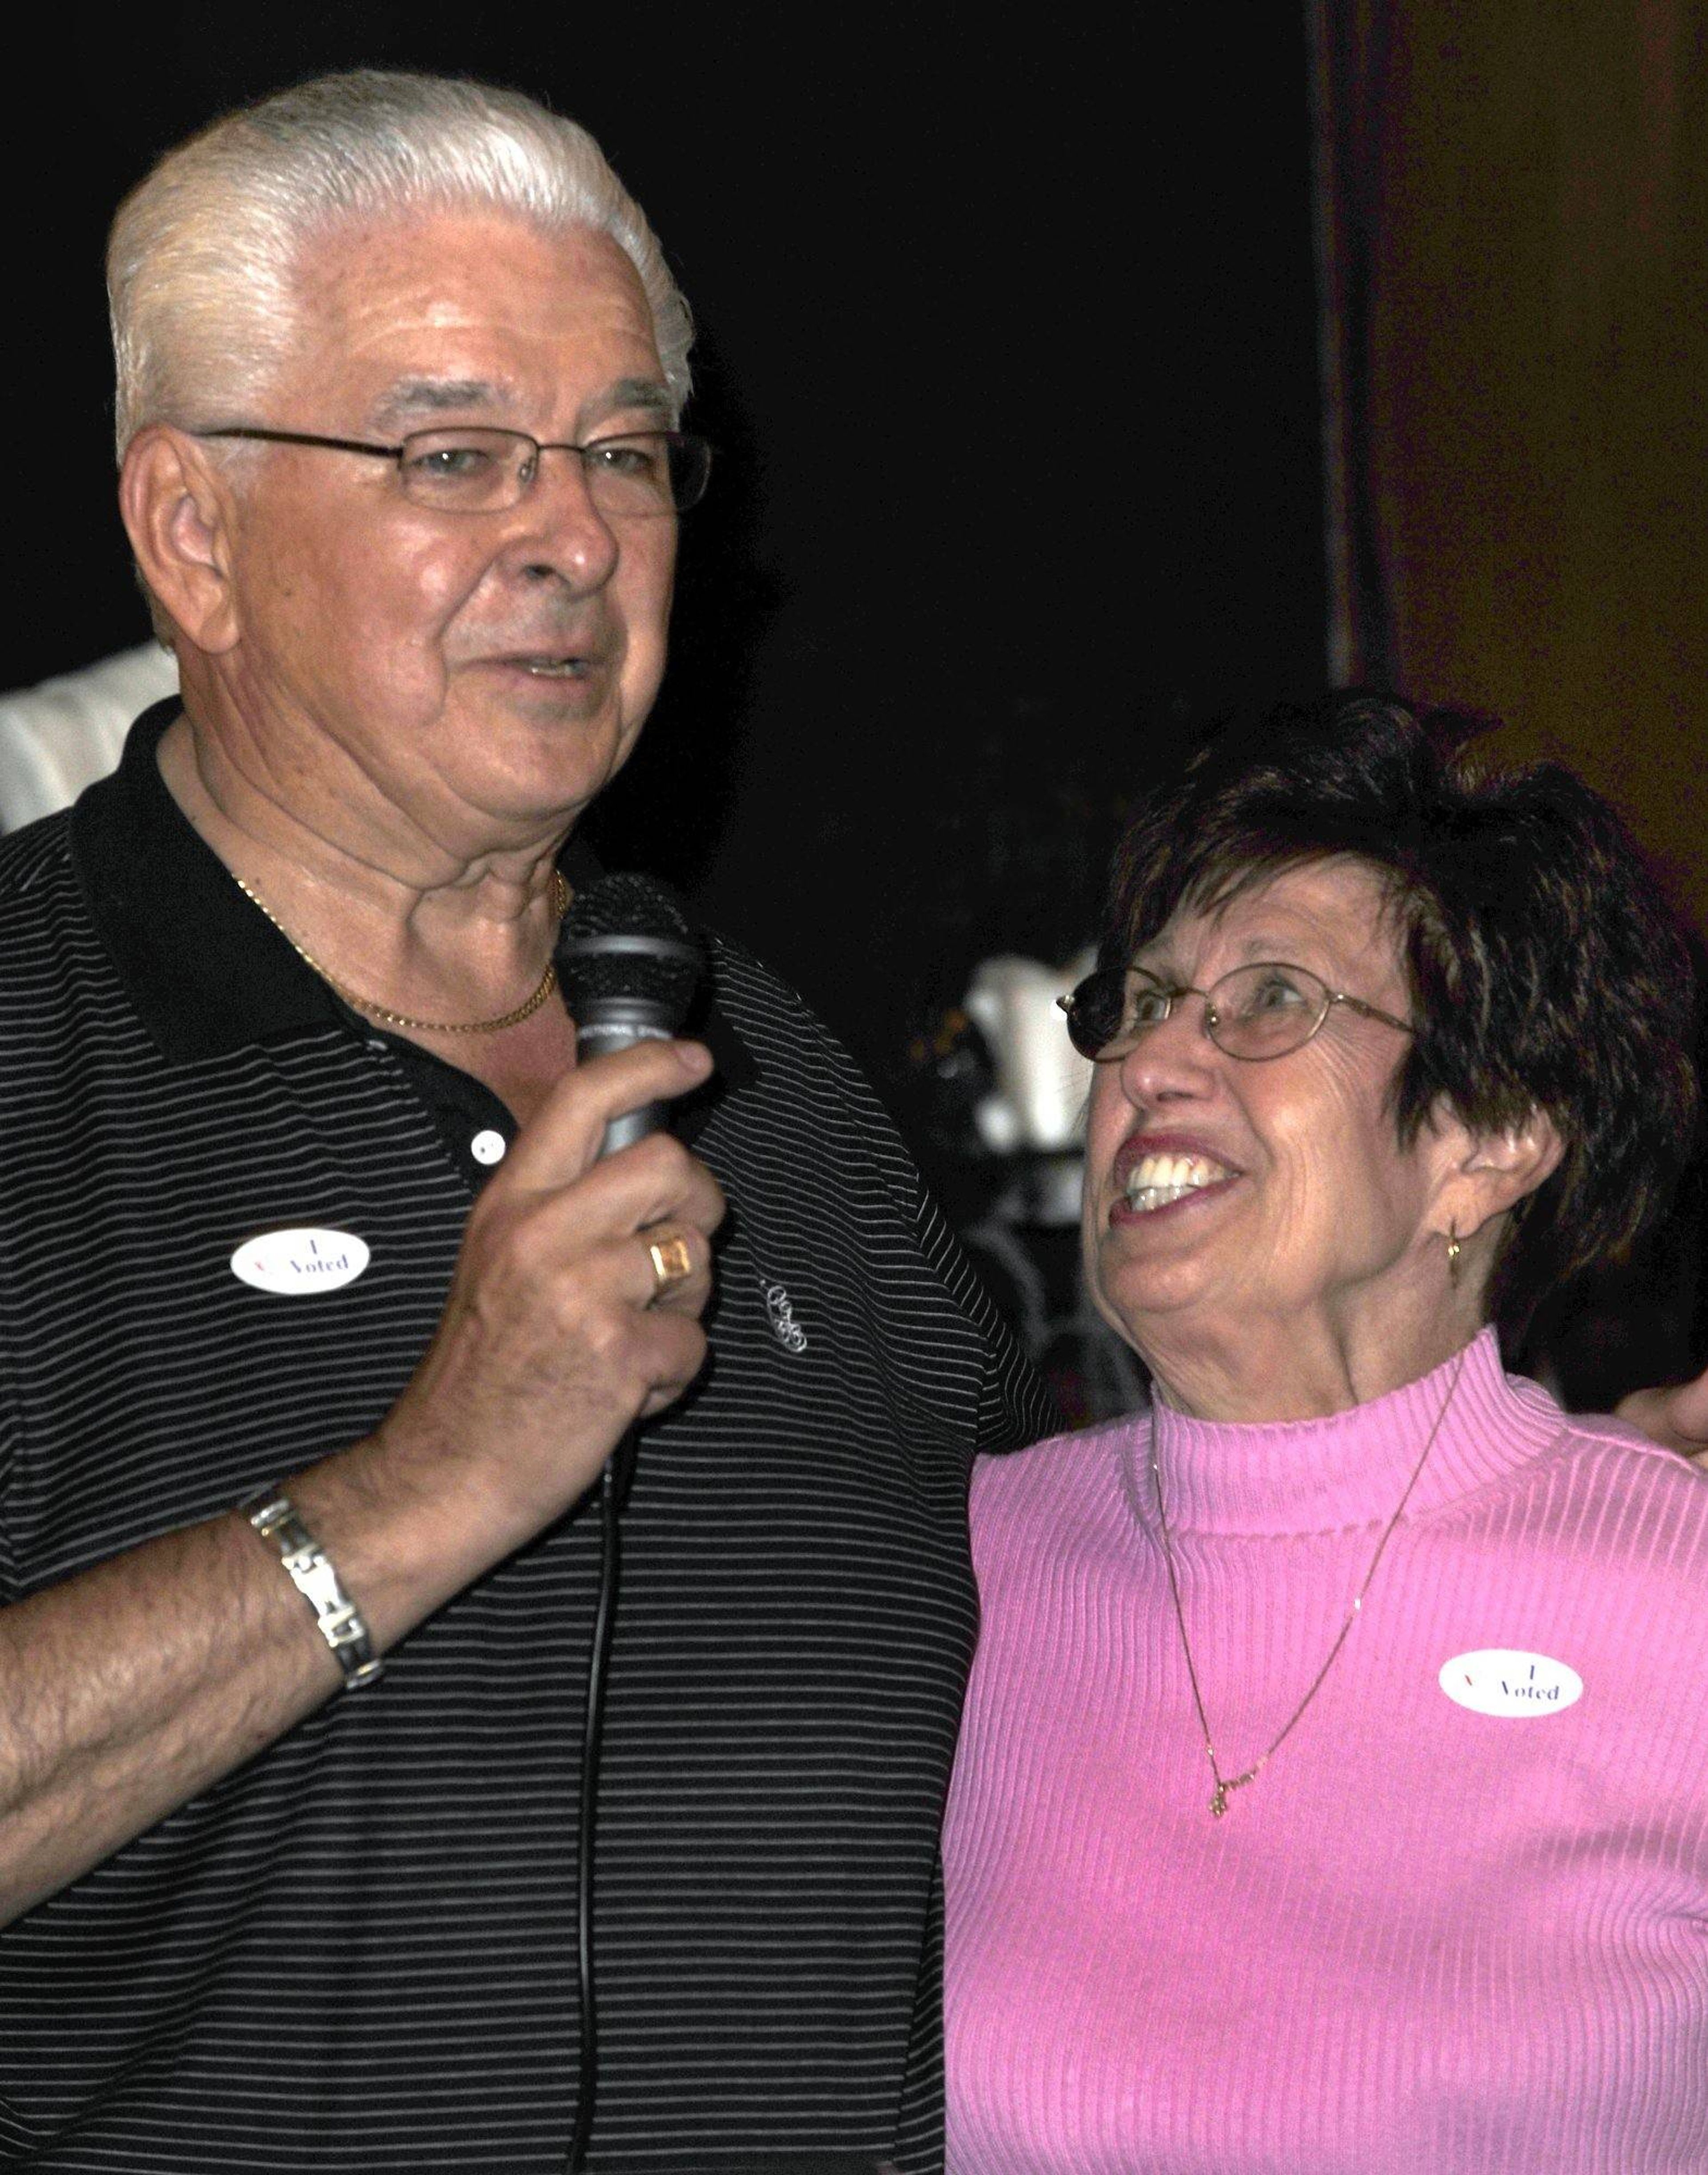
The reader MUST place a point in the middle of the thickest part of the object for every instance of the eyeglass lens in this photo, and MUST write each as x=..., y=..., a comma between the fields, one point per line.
x=482, y=471
x=1257, y=1011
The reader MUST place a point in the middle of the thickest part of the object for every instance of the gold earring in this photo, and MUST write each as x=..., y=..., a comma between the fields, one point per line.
x=1454, y=1250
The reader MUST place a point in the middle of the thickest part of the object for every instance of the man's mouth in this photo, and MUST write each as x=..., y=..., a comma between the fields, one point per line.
x=554, y=667
x=1155, y=1180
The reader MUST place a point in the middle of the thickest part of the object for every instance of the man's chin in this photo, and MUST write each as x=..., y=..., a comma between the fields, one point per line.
x=538, y=780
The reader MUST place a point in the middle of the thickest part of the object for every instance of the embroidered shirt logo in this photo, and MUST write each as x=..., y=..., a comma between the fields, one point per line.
x=298, y=1261
x=788, y=1332
x=1500, y=1680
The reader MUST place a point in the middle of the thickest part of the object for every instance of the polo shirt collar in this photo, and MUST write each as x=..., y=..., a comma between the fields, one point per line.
x=207, y=974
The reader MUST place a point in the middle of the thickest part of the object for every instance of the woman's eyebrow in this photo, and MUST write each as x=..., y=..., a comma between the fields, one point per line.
x=1250, y=951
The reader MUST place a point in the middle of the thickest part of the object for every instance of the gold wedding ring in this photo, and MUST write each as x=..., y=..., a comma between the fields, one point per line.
x=671, y=1261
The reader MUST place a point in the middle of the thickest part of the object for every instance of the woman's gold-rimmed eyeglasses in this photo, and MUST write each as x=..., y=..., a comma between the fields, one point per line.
x=1266, y=1010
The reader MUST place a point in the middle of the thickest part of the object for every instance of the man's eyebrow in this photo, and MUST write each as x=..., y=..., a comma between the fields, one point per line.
x=648, y=394
x=432, y=396
x=413, y=397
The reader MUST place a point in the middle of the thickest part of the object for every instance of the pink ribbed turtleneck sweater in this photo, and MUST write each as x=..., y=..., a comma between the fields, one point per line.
x=1426, y=1938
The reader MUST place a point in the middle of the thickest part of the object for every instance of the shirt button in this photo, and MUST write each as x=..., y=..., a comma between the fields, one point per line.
x=488, y=1147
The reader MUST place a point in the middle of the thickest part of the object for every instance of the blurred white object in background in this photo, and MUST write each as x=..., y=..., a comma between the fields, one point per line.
x=1041, y=1081
x=56, y=738
x=1034, y=1119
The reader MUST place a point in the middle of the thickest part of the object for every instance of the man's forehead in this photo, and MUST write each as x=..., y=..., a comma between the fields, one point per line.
x=479, y=315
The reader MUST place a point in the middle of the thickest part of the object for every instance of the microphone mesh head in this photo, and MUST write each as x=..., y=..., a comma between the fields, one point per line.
x=625, y=937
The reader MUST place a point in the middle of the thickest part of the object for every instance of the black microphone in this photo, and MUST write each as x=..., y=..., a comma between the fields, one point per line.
x=627, y=965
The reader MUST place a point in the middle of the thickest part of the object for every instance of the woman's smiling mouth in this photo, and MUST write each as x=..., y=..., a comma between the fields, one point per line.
x=1157, y=1180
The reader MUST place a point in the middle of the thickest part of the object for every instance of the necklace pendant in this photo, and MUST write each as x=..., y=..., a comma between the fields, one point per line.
x=1219, y=1803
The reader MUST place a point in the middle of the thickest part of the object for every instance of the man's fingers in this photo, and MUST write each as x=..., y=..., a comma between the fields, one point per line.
x=564, y=1137
x=678, y=1267
x=1688, y=1413
x=677, y=1362
x=575, y=1306
x=670, y=1256
x=1679, y=1417
x=656, y=1181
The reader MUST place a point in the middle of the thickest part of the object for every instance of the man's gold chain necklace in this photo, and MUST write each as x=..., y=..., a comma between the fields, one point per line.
x=526, y=1010
x=1227, y=1784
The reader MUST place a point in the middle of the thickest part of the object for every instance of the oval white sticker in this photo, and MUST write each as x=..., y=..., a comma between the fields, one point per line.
x=296, y=1261
x=1500, y=1680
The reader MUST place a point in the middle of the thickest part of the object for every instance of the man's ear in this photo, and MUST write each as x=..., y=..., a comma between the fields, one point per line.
x=178, y=510
x=1494, y=1171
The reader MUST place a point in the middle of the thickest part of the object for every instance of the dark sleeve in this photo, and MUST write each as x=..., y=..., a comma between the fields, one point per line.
x=1015, y=1409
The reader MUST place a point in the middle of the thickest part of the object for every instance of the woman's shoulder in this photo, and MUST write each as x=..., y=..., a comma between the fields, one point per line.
x=1083, y=1447
x=1079, y=1481
x=1603, y=1451
x=1603, y=1493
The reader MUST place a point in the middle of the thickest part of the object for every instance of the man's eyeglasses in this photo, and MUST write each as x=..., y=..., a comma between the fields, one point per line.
x=476, y=470
x=1256, y=1012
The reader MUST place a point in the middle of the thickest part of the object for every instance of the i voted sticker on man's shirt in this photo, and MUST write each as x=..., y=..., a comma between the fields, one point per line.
x=1503, y=1681
x=298, y=1261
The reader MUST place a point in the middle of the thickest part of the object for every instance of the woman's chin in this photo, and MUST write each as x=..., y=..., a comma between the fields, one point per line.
x=1143, y=1299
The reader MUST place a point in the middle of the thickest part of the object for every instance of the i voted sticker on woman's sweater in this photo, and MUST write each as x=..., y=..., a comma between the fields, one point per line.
x=1501, y=1680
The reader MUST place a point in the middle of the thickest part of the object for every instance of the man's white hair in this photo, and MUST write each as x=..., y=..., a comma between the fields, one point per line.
x=203, y=260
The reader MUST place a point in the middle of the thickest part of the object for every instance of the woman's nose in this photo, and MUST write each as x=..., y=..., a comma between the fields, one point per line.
x=1173, y=1057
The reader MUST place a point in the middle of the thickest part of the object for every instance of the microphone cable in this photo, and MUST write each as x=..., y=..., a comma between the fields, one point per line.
x=592, y=1740
x=627, y=967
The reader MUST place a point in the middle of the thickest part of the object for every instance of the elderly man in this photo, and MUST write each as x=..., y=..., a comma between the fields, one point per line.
x=322, y=1314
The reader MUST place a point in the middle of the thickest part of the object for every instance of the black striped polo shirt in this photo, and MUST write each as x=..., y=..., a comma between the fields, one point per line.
x=357, y=1952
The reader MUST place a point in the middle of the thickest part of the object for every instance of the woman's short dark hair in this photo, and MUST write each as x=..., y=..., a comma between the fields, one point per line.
x=1546, y=968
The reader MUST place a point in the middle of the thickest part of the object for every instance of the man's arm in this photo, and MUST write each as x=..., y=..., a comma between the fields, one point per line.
x=130, y=1689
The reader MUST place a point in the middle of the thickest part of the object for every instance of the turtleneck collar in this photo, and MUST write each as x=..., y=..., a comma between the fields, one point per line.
x=1350, y=1469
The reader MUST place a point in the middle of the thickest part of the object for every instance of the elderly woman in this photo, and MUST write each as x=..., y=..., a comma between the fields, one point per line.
x=1334, y=1789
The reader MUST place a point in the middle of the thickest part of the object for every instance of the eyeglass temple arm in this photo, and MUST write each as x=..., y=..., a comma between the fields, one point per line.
x=1371, y=1012
x=303, y=438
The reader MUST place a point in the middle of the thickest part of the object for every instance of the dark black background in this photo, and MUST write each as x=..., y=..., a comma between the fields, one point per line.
x=1007, y=339
x=1008, y=342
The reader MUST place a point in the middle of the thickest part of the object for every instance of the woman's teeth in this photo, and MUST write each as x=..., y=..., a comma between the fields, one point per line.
x=555, y=667
x=1155, y=1180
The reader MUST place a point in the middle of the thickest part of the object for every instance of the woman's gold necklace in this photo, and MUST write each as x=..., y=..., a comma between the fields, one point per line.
x=1226, y=1784
x=526, y=1010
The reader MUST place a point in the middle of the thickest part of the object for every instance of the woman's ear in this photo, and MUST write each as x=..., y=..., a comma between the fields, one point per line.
x=1494, y=1171
x=178, y=509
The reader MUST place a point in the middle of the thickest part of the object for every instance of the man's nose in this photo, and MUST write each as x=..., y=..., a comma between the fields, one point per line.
x=557, y=527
